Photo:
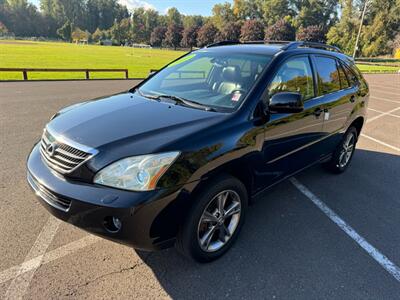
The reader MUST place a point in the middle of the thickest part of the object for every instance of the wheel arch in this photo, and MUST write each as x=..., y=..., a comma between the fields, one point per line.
x=240, y=169
x=358, y=123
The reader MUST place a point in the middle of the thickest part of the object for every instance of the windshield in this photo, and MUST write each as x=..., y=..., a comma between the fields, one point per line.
x=215, y=80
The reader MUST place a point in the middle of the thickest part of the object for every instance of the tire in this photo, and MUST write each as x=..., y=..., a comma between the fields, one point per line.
x=339, y=162
x=206, y=217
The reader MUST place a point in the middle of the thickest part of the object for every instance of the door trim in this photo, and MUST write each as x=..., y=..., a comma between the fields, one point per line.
x=304, y=146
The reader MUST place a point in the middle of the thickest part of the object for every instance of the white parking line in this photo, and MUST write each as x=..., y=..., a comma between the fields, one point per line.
x=371, y=250
x=382, y=112
x=387, y=92
x=34, y=263
x=388, y=113
x=384, y=99
x=385, y=87
x=21, y=282
x=380, y=142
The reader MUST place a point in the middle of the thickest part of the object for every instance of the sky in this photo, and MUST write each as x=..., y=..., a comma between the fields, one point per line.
x=188, y=7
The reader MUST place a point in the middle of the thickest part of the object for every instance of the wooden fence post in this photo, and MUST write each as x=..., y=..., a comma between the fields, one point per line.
x=126, y=74
x=87, y=74
x=25, y=74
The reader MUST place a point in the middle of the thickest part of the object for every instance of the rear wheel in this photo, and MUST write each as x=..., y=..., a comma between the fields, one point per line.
x=344, y=152
x=214, y=221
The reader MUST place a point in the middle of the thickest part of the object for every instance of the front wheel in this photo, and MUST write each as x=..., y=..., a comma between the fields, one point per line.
x=344, y=152
x=214, y=221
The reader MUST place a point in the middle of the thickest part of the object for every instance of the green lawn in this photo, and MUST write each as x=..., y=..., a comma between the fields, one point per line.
x=27, y=54
x=377, y=68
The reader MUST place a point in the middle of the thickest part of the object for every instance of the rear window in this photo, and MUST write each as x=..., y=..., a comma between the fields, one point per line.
x=328, y=74
x=351, y=76
x=343, y=78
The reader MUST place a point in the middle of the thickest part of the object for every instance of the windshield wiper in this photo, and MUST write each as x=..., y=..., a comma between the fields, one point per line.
x=177, y=99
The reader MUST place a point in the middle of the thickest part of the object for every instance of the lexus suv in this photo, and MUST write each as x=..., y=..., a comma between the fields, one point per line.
x=176, y=160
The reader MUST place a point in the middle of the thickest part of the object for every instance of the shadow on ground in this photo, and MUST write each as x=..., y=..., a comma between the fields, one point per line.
x=287, y=249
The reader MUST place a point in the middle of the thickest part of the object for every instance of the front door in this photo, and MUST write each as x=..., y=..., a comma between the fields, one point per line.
x=290, y=139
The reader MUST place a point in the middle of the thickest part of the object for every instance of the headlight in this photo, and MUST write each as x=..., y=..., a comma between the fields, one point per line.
x=137, y=173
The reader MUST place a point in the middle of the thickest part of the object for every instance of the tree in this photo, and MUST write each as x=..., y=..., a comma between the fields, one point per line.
x=189, y=37
x=73, y=11
x=21, y=18
x=173, y=35
x=121, y=31
x=315, y=12
x=195, y=20
x=207, y=34
x=311, y=34
x=231, y=31
x=252, y=30
x=157, y=36
x=275, y=10
x=3, y=29
x=174, y=17
x=247, y=9
x=143, y=23
x=65, y=31
x=394, y=45
x=98, y=35
x=280, y=31
x=78, y=35
x=138, y=25
x=343, y=34
x=222, y=14
x=382, y=24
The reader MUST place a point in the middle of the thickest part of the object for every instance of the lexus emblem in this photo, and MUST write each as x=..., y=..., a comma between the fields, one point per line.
x=51, y=149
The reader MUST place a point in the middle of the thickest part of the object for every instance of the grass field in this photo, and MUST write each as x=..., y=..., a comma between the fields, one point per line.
x=29, y=54
x=377, y=68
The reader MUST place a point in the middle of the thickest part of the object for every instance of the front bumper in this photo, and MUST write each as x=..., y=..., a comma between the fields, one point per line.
x=149, y=220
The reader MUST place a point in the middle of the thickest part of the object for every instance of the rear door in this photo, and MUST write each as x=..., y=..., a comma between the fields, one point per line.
x=338, y=98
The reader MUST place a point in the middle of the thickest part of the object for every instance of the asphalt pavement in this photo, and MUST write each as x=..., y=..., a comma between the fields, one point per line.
x=319, y=236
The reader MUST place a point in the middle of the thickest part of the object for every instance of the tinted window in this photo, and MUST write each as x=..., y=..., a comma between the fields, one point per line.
x=295, y=75
x=328, y=74
x=350, y=75
x=343, y=78
x=215, y=79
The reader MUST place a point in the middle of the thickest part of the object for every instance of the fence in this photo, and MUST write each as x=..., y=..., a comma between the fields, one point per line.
x=86, y=71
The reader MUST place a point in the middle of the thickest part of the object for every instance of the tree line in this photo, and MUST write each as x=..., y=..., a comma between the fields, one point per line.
x=331, y=21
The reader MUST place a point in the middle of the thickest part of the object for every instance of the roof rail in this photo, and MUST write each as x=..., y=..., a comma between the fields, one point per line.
x=236, y=42
x=289, y=45
x=298, y=44
x=253, y=42
x=277, y=42
x=223, y=43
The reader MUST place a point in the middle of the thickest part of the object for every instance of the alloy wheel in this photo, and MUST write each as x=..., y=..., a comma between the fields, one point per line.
x=347, y=150
x=219, y=221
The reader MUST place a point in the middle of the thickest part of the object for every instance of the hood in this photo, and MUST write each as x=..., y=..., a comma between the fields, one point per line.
x=130, y=117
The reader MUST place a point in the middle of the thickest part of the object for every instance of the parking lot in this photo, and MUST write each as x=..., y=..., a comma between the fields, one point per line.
x=316, y=236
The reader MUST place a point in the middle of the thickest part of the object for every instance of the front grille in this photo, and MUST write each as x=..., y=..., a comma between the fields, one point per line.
x=60, y=156
x=51, y=198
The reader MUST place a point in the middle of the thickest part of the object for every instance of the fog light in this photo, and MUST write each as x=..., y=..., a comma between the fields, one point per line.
x=112, y=224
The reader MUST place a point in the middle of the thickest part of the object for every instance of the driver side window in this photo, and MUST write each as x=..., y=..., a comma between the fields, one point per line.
x=295, y=75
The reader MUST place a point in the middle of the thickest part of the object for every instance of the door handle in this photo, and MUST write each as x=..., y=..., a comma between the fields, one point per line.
x=352, y=99
x=317, y=112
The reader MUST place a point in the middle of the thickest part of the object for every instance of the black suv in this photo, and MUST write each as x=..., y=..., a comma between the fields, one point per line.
x=177, y=159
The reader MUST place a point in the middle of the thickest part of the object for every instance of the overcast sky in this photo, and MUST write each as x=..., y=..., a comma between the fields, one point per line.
x=190, y=7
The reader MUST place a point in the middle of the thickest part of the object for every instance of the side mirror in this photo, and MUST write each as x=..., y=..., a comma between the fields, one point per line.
x=151, y=73
x=286, y=102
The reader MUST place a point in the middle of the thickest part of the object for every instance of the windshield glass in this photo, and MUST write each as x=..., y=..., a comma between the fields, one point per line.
x=211, y=79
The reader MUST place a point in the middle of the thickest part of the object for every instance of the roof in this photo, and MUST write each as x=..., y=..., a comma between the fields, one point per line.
x=273, y=47
x=262, y=49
